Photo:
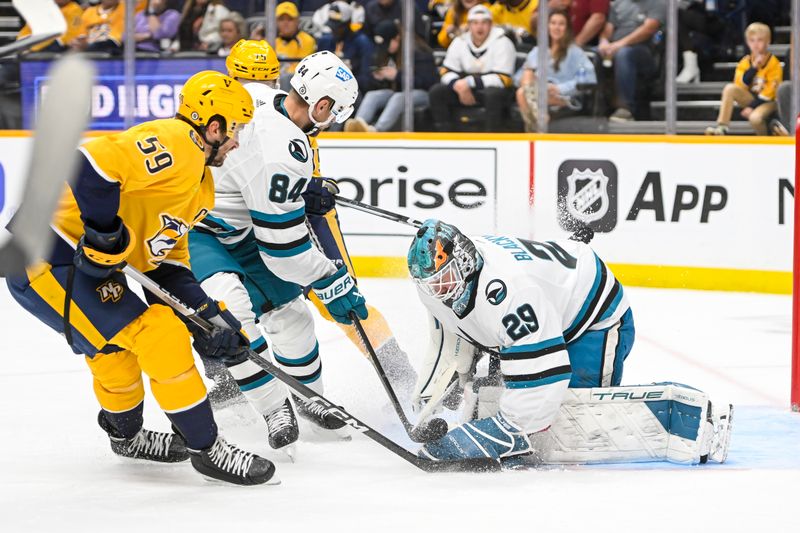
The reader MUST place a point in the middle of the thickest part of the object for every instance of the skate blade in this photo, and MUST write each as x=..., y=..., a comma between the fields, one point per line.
x=290, y=451
x=342, y=434
x=274, y=480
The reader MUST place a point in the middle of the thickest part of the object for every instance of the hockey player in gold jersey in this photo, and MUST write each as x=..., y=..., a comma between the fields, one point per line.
x=136, y=196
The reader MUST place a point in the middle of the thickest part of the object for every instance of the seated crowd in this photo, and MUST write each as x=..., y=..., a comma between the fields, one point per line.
x=475, y=61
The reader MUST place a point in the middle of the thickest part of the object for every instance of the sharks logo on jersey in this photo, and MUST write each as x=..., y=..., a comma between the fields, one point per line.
x=172, y=229
x=298, y=150
x=496, y=292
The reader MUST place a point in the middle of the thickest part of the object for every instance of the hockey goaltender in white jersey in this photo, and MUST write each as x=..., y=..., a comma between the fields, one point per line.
x=558, y=322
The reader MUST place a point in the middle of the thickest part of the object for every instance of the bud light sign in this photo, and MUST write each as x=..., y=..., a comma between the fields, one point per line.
x=157, y=87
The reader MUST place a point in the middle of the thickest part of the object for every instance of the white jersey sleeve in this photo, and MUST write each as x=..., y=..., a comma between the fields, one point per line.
x=273, y=199
x=533, y=360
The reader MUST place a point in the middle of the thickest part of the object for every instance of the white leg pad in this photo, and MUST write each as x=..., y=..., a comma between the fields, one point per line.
x=626, y=424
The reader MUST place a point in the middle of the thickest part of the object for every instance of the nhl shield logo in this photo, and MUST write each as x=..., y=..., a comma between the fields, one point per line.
x=587, y=195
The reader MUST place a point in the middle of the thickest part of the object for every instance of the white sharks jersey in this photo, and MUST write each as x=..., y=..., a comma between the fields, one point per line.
x=259, y=189
x=531, y=299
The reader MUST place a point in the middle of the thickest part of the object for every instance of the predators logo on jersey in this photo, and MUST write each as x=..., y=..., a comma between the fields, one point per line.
x=111, y=290
x=172, y=229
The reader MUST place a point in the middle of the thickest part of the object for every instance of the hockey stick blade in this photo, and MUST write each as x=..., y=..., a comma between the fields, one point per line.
x=427, y=465
x=45, y=20
x=433, y=430
x=61, y=122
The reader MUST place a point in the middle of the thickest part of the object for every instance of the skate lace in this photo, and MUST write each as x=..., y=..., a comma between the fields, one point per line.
x=279, y=418
x=150, y=442
x=316, y=409
x=230, y=458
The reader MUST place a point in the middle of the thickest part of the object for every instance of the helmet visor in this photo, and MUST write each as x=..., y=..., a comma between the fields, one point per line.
x=443, y=285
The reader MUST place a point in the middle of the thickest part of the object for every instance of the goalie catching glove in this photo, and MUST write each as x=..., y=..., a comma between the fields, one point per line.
x=493, y=437
x=341, y=296
x=226, y=340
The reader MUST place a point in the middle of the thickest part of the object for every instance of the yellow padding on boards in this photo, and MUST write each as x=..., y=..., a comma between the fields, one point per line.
x=667, y=277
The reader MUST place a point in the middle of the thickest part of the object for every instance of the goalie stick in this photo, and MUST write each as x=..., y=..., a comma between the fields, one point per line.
x=427, y=465
x=45, y=20
x=62, y=119
x=582, y=234
x=435, y=429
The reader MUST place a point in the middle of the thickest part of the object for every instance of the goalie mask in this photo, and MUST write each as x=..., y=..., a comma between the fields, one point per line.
x=443, y=262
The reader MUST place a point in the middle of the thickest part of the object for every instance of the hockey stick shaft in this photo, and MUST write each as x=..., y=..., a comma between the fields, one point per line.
x=382, y=375
x=54, y=160
x=470, y=465
x=378, y=212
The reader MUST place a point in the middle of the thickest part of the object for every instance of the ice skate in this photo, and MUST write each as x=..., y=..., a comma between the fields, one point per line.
x=226, y=462
x=718, y=440
x=148, y=445
x=320, y=418
x=283, y=429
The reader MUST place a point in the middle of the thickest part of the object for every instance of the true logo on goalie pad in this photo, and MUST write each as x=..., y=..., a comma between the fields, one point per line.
x=587, y=195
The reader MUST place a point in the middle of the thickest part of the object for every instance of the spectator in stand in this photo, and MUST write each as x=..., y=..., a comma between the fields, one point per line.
x=232, y=29
x=588, y=18
x=376, y=11
x=291, y=44
x=353, y=47
x=455, y=20
x=695, y=23
x=320, y=18
x=627, y=41
x=102, y=27
x=517, y=16
x=382, y=106
x=754, y=86
x=71, y=12
x=568, y=66
x=199, y=28
x=156, y=24
x=477, y=69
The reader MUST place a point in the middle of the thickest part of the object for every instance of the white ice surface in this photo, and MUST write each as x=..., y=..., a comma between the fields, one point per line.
x=57, y=472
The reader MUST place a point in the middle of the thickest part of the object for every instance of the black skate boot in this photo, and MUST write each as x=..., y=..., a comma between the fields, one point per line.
x=227, y=462
x=146, y=444
x=282, y=426
x=320, y=418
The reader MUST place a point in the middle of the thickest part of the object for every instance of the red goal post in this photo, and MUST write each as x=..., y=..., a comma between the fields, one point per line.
x=795, y=395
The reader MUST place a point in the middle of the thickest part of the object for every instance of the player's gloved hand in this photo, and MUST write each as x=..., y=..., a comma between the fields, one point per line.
x=506, y=441
x=320, y=195
x=226, y=341
x=101, y=253
x=341, y=296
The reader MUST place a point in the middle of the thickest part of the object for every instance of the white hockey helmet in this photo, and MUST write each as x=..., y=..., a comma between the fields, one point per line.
x=322, y=75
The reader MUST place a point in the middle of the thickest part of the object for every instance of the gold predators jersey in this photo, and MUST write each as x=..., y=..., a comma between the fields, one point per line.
x=100, y=24
x=517, y=16
x=165, y=189
x=72, y=15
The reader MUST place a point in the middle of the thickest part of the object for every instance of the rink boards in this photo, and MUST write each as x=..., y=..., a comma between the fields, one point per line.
x=687, y=212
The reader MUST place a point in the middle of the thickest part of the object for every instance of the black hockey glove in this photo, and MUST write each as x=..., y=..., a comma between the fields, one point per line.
x=100, y=254
x=320, y=195
x=226, y=341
